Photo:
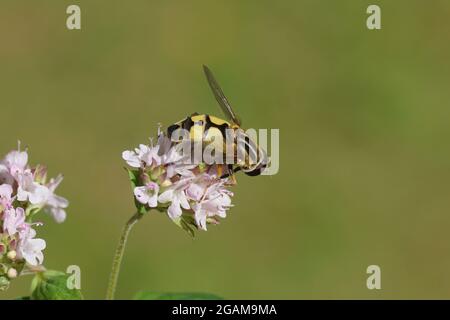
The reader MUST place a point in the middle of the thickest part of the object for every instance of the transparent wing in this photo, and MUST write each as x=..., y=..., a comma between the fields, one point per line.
x=220, y=97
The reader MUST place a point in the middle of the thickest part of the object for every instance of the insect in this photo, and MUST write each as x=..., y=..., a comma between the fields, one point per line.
x=248, y=156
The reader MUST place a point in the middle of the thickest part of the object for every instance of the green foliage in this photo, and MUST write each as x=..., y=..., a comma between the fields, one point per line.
x=147, y=295
x=52, y=285
x=187, y=223
x=4, y=283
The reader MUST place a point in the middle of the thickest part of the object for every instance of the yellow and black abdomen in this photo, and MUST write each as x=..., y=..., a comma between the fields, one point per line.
x=202, y=127
x=210, y=130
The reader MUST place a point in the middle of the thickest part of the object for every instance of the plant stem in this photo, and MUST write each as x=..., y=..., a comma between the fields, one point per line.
x=119, y=255
x=32, y=270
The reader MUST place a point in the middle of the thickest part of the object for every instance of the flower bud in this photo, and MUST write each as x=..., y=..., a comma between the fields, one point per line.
x=12, y=273
x=144, y=178
x=202, y=167
x=156, y=172
x=166, y=183
x=11, y=254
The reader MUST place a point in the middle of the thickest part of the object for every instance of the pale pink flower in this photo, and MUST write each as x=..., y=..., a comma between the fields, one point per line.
x=56, y=205
x=5, y=195
x=30, y=248
x=13, y=220
x=192, y=193
x=132, y=159
x=22, y=195
x=5, y=175
x=148, y=194
x=16, y=162
x=143, y=156
x=29, y=190
x=216, y=202
x=177, y=196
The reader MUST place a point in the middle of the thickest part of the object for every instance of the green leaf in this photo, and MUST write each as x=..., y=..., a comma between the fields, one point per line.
x=134, y=179
x=52, y=285
x=4, y=283
x=187, y=223
x=147, y=295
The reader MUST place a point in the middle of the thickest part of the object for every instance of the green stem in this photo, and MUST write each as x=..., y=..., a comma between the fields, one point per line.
x=119, y=255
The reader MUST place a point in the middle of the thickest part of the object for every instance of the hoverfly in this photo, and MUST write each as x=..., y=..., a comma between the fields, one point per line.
x=208, y=128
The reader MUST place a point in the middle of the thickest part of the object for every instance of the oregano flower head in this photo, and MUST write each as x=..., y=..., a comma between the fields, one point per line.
x=192, y=194
x=24, y=192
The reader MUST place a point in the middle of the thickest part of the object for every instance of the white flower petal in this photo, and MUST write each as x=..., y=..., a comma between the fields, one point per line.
x=132, y=159
x=153, y=201
x=200, y=218
x=18, y=159
x=38, y=195
x=141, y=194
x=166, y=196
x=183, y=200
x=174, y=210
x=22, y=195
x=6, y=191
x=58, y=214
x=31, y=251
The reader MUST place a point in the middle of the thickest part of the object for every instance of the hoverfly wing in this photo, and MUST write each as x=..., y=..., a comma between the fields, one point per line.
x=220, y=97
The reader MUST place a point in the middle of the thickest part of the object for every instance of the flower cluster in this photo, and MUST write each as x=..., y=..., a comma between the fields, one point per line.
x=193, y=195
x=24, y=191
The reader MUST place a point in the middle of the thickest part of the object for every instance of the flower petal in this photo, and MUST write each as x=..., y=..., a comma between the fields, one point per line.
x=141, y=194
x=166, y=196
x=174, y=210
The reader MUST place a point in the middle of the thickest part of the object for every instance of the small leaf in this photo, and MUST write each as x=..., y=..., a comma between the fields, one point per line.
x=134, y=179
x=187, y=223
x=52, y=285
x=4, y=283
x=147, y=295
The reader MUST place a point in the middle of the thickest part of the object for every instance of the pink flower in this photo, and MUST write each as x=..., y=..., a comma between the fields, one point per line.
x=216, y=203
x=56, y=205
x=142, y=156
x=148, y=194
x=30, y=248
x=177, y=197
x=5, y=195
x=13, y=220
x=193, y=194
x=23, y=193
x=5, y=175
x=31, y=191
x=16, y=162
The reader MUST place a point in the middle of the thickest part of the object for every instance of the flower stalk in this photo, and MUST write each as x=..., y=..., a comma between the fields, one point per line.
x=118, y=256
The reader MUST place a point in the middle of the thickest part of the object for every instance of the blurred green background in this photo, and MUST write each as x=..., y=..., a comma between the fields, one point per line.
x=364, y=125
